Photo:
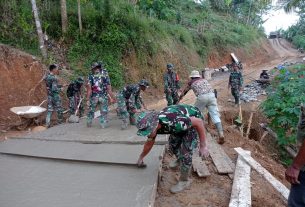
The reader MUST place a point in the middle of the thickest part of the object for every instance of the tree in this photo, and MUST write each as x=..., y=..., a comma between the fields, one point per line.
x=39, y=30
x=290, y=5
x=79, y=16
x=64, y=16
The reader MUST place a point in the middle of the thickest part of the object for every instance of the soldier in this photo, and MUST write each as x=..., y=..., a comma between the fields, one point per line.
x=205, y=99
x=129, y=100
x=295, y=174
x=235, y=83
x=171, y=85
x=99, y=92
x=54, y=99
x=74, y=94
x=184, y=123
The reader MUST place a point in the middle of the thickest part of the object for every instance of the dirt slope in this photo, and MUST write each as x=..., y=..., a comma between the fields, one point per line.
x=19, y=73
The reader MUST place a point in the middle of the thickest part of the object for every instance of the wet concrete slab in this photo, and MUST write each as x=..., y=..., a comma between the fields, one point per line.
x=69, y=165
x=102, y=153
x=79, y=132
x=35, y=182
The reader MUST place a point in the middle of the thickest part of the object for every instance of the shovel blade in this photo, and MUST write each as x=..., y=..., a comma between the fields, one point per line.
x=73, y=119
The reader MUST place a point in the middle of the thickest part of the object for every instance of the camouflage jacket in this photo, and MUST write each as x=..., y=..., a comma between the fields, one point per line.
x=236, y=80
x=175, y=119
x=133, y=90
x=171, y=81
x=99, y=83
x=52, y=84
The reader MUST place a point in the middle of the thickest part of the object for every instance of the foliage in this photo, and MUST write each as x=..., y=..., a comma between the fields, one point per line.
x=282, y=105
x=113, y=28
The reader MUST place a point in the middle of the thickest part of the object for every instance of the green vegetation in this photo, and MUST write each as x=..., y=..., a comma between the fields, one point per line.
x=282, y=105
x=114, y=28
x=296, y=33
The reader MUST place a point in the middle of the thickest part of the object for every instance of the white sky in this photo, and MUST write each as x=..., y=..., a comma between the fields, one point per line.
x=279, y=19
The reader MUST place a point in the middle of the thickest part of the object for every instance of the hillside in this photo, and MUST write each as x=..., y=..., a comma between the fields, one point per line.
x=135, y=40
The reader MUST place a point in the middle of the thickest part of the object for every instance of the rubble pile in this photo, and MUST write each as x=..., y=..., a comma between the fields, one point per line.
x=252, y=91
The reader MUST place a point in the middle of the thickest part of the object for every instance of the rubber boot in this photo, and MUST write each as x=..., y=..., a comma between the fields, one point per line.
x=48, y=119
x=184, y=182
x=174, y=164
x=124, y=124
x=221, y=138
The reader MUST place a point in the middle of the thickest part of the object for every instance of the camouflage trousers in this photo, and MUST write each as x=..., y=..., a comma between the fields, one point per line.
x=127, y=107
x=73, y=103
x=121, y=107
x=182, y=146
x=172, y=98
x=102, y=101
x=54, y=103
x=235, y=94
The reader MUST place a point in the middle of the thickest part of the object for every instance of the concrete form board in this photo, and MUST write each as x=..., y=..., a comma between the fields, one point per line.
x=34, y=182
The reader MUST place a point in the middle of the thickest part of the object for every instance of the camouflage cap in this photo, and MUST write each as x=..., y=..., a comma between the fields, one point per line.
x=147, y=123
x=95, y=65
x=80, y=80
x=144, y=82
x=170, y=66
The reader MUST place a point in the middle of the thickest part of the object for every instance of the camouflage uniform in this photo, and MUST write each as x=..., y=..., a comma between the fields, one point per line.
x=171, y=87
x=54, y=100
x=236, y=82
x=175, y=120
x=99, y=83
x=129, y=100
x=74, y=96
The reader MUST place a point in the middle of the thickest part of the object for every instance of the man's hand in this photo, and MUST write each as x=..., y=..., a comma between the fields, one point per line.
x=203, y=152
x=292, y=174
x=88, y=103
x=141, y=164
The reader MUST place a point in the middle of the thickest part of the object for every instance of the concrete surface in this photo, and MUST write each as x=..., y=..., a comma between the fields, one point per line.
x=79, y=132
x=34, y=182
x=39, y=182
x=104, y=153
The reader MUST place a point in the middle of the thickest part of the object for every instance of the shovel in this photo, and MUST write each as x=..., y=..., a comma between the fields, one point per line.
x=74, y=118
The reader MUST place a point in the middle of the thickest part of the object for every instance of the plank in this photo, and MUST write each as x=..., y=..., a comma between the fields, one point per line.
x=261, y=170
x=241, y=189
x=219, y=157
x=199, y=166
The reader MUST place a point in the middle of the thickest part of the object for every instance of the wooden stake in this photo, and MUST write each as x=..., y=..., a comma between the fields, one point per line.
x=249, y=125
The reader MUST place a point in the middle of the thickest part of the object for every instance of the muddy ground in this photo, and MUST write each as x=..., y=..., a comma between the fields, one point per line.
x=215, y=190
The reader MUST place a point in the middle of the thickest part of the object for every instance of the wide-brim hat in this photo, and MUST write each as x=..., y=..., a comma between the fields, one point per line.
x=147, y=122
x=195, y=74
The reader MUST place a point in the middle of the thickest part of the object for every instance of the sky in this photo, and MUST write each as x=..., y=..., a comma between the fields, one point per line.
x=278, y=19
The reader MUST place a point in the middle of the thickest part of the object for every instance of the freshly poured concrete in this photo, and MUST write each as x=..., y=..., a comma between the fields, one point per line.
x=32, y=182
x=79, y=132
x=39, y=182
x=103, y=153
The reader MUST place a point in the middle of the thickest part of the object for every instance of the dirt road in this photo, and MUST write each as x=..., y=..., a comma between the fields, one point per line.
x=215, y=190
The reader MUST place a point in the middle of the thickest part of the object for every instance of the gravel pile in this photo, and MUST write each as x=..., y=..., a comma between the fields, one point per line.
x=252, y=91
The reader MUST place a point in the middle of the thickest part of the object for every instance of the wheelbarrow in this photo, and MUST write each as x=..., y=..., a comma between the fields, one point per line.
x=28, y=115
